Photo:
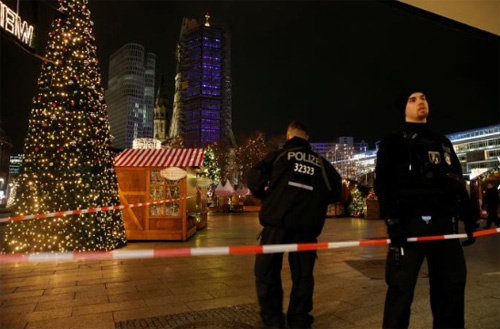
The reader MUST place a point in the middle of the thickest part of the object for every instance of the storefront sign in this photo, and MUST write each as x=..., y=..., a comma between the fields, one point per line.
x=13, y=24
x=173, y=173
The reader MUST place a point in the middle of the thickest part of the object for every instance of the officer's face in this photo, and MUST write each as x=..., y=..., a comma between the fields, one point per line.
x=417, y=108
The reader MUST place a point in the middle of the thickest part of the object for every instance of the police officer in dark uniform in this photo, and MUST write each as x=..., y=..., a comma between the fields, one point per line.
x=295, y=185
x=421, y=193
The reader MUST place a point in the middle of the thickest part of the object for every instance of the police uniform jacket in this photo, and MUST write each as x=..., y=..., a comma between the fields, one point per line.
x=295, y=185
x=419, y=178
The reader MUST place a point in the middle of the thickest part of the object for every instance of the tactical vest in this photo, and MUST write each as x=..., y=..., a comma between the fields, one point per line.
x=428, y=185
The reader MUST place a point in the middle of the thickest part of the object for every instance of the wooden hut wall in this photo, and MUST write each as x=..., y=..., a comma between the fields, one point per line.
x=135, y=186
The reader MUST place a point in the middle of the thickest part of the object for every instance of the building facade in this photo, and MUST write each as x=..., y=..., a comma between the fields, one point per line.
x=478, y=149
x=130, y=94
x=16, y=161
x=202, y=100
x=5, y=149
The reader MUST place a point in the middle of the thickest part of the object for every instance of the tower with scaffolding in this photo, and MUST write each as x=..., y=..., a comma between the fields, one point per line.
x=202, y=101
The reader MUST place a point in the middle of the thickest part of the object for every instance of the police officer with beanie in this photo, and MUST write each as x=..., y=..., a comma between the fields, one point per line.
x=295, y=185
x=421, y=193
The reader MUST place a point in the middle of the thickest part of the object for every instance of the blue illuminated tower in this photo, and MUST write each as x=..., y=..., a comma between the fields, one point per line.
x=202, y=100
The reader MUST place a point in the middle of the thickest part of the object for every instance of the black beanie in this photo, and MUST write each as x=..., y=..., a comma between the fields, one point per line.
x=402, y=99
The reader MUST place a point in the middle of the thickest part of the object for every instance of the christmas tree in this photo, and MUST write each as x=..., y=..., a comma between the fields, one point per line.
x=210, y=167
x=357, y=205
x=67, y=161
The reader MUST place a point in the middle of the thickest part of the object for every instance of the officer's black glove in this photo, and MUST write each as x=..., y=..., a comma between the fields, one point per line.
x=470, y=228
x=396, y=232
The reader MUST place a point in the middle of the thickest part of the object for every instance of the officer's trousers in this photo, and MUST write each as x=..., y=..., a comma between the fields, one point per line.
x=268, y=280
x=447, y=276
x=492, y=218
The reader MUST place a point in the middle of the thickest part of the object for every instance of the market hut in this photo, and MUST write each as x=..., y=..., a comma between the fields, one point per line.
x=146, y=175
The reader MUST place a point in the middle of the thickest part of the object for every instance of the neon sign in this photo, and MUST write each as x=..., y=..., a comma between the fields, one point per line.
x=12, y=23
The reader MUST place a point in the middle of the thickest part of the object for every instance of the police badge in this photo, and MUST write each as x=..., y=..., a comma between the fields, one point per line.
x=434, y=157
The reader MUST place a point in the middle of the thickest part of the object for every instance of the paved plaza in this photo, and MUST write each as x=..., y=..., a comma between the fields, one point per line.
x=218, y=291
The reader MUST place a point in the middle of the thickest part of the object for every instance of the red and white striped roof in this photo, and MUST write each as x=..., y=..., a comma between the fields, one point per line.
x=160, y=158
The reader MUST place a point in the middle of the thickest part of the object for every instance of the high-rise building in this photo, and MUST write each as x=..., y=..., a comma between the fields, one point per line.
x=161, y=110
x=202, y=100
x=130, y=94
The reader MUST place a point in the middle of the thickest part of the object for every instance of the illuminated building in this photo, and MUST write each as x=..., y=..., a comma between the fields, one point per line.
x=202, y=100
x=130, y=94
x=5, y=147
x=478, y=149
x=15, y=163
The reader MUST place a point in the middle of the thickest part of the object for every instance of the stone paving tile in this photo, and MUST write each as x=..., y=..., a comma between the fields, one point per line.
x=93, y=288
x=103, y=321
x=219, y=302
x=30, y=300
x=482, y=307
x=176, y=282
x=7, y=290
x=148, y=312
x=13, y=321
x=44, y=306
x=108, y=307
x=46, y=286
x=17, y=309
x=32, y=274
x=70, y=278
x=164, y=300
x=248, y=290
x=128, y=283
x=330, y=321
x=106, y=292
x=101, y=280
x=490, y=322
x=15, y=295
x=50, y=314
x=26, y=281
x=193, y=289
x=140, y=295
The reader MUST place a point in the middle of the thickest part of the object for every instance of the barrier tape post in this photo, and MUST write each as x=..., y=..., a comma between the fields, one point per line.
x=216, y=251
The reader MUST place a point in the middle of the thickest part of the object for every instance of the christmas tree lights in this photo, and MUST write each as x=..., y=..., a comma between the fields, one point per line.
x=357, y=205
x=210, y=167
x=67, y=161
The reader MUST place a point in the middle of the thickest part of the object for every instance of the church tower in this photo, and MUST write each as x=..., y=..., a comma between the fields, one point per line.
x=160, y=112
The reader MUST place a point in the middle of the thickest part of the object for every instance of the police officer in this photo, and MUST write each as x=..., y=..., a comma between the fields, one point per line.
x=295, y=185
x=421, y=193
x=490, y=203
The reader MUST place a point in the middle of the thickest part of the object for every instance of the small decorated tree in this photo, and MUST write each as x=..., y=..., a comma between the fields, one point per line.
x=210, y=167
x=356, y=207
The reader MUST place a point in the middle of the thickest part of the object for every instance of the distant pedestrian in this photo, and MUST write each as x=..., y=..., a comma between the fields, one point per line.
x=421, y=193
x=295, y=185
x=490, y=203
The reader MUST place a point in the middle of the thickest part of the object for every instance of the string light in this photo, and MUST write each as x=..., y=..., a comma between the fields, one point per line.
x=67, y=160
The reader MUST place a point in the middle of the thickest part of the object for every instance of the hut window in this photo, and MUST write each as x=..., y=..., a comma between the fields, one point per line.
x=162, y=189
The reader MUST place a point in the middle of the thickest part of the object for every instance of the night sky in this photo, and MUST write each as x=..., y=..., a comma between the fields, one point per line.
x=335, y=65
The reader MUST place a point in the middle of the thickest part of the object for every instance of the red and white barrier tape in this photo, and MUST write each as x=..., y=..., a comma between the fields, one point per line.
x=83, y=211
x=215, y=251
